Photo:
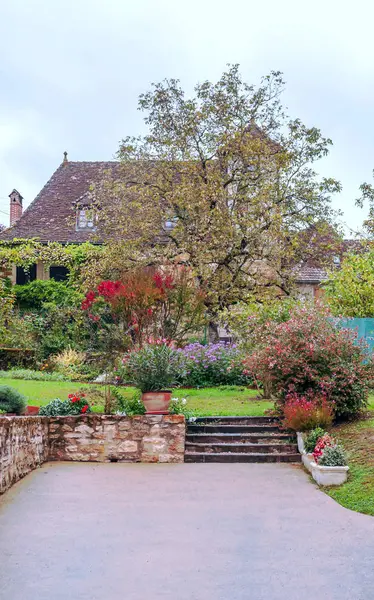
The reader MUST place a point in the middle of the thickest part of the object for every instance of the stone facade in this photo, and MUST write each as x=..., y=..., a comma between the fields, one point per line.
x=26, y=442
x=105, y=438
x=23, y=447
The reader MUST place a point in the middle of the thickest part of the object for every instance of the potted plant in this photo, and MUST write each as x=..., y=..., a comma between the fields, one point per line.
x=154, y=369
x=330, y=463
x=309, y=441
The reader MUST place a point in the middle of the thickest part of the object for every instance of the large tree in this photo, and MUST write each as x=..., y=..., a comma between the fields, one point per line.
x=224, y=182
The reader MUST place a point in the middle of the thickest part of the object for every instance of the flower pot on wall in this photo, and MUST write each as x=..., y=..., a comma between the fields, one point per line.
x=156, y=403
x=32, y=410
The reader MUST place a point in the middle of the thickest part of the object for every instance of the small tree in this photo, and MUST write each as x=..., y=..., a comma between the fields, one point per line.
x=349, y=291
x=148, y=304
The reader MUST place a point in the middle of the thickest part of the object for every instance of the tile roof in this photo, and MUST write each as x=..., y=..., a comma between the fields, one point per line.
x=49, y=216
x=307, y=274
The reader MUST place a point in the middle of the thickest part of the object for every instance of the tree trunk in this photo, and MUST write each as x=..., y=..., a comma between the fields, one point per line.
x=213, y=335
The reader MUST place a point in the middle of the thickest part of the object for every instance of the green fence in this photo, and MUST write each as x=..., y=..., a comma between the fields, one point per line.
x=364, y=328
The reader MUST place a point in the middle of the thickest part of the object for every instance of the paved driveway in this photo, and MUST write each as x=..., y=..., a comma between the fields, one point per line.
x=180, y=532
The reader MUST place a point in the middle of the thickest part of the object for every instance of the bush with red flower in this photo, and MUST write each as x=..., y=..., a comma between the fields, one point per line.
x=76, y=404
x=145, y=303
x=308, y=354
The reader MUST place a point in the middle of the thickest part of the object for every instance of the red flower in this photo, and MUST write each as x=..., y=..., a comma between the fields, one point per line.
x=84, y=408
x=83, y=395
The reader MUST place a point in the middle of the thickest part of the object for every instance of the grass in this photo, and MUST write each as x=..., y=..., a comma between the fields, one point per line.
x=358, y=440
x=224, y=400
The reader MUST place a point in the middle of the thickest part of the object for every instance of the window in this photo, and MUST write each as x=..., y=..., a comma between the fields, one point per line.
x=336, y=260
x=170, y=224
x=86, y=219
x=25, y=276
x=58, y=273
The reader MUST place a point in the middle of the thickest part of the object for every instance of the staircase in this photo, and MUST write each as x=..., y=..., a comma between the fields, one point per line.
x=239, y=439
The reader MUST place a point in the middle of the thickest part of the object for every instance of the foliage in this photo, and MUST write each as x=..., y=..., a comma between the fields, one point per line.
x=76, y=404
x=305, y=413
x=148, y=303
x=307, y=354
x=155, y=367
x=178, y=406
x=251, y=323
x=26, y=252
x=36, y=293
x=333, y=456
x=224, y=183
x=128, y=406
x=213, y=364
x=349, y=291
x=29, y=375
x=69, y=362
x=11, y=401
x=312, y=439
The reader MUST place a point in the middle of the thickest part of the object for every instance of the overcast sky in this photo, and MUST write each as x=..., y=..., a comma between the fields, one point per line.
x=71, y=72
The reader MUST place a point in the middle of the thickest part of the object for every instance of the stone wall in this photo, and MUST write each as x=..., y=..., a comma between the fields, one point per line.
x=23, y=447
x=104, y=438
x=26, y=442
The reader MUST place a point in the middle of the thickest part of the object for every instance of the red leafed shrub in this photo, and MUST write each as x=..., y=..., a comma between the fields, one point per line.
x=325, y=440
x=308, y=354
x=303, y=413
x=148, y=303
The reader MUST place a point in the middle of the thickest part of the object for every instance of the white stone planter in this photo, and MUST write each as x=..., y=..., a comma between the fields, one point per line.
x=307, y=461
x=300, y=442
x=329, y=475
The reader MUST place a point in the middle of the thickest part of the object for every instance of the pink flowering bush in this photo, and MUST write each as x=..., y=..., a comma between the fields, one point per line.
x=308, y=355
x=322, y=443
x=303, y=413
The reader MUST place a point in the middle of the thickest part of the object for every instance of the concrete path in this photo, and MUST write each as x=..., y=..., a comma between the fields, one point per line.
x=73, y=531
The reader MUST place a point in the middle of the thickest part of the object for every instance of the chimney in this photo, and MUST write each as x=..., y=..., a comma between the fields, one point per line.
x=15, y=206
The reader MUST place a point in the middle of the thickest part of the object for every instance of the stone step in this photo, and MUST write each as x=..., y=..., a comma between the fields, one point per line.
x=241, y=448
x=220, y=457
x=260, y=438
x=260, y=428
x=242, y=420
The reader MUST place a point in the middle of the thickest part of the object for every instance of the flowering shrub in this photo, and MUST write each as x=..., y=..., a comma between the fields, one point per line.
x=155, y=367
x=213, y=364
x=307, y=353
x=325, y=440
x=74, y=405
x=303, y=413
x=333, y=456
x=312, y=439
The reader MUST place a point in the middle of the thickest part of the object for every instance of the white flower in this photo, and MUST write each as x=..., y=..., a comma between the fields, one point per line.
x=184, y=401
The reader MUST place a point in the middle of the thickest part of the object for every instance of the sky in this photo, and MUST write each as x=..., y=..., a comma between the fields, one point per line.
x=71, y=72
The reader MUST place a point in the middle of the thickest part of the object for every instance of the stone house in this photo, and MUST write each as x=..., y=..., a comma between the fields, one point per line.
x=62, y=212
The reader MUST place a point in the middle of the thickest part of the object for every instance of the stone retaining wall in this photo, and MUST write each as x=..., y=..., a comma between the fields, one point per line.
x=103, y=438
x=26, y=442
x=23, y=447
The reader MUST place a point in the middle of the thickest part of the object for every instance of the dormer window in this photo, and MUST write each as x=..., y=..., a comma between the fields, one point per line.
x=170, y=224
x=86, y=219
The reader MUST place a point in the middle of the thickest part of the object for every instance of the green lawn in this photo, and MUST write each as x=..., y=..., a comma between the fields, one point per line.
x=225, y=400
x=358, y=440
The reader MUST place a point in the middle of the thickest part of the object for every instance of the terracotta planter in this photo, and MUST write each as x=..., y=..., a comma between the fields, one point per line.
x=156, y=403
x=32, y=410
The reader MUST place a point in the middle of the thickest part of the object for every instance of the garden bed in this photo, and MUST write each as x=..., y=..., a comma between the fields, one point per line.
x=224, y=400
